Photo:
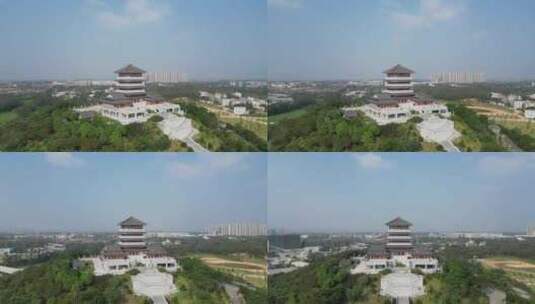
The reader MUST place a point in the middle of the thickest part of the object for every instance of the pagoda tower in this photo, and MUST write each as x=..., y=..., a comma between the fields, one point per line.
x=132, y=235
x=130, y=82
x=399, y=240
x=398, y=82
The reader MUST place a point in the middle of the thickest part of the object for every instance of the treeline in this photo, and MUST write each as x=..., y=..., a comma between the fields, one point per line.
x=191, y=90
x=457, y=93
x=302, y=100
x=57, y=282
x=477, y=129
x=255, y=247
x=218, y=136
x=325, y=281
x=479, y=91
x=503, y=247
x=323, y=128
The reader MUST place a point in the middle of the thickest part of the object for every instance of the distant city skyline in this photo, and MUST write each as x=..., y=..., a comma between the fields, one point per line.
x=354, y=40
x=61, y=39
x=92, y=192
x=360, y=192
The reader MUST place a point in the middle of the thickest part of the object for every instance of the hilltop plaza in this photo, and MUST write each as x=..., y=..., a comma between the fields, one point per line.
x=398, y=103
x=398, y=252
x=128, y=101
x=131, y=252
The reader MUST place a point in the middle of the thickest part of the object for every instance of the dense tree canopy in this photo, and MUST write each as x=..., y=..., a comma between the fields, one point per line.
x=325, y=281
x=56, y=282
x=49, y=124
x=323, y=128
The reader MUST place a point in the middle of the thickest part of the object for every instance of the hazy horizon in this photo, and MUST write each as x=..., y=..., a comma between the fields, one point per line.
x=352, y=192
x=92, y=192
x=89, y=39
x=348, y=39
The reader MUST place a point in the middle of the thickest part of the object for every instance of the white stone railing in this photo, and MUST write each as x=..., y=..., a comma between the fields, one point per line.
x=130, y=91
x=130, y=84
x=394, y=78
x=398, y=85
x=131, y=78
x=398, y=91
x=132, y=237
x=142, y=230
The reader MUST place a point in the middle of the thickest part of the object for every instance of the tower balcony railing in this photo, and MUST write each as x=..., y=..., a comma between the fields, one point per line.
x=130, y=78
x=130, y=91
x=399, y=237
x=398, y=85
x=398, y=92
x=131, y=244
x=132, y=237
x=399, y=244
x=142, y=230
x=394, y=230
x=398, y=78
x=130, y=84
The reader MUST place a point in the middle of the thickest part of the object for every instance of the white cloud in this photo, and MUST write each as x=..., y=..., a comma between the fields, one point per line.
x=429, y=12
x=371, y=161
x=63, y=160
x=133, y=12
x=285, y=3
x=207, y=165
x=505, y=165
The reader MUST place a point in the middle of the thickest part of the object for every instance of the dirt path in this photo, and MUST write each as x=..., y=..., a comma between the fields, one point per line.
x=217, y=261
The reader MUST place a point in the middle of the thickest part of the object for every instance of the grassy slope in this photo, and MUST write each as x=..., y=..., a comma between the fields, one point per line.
x=7, y=117
x=260, y=129
x=291, y=114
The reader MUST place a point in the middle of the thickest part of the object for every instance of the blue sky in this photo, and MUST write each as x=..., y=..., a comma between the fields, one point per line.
x=356, y=39
x=94, y=191
x=64, y=39
x=345, y=192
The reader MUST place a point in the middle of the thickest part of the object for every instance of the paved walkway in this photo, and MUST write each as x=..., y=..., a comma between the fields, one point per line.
x=180, y=128
x=449, y=146
x=403, y=301
x=159, y=300
x=439, y=130
x=504, y=139
x=234, y=294
x=153, y=284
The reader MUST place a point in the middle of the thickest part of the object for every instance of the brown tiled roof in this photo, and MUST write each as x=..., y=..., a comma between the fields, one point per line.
x=130, y=69
x=131, y=221
x=399, y=69
x=398, y=221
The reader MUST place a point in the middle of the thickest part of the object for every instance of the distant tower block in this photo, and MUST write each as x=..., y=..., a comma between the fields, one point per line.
x=130, y=81
x=398, y=82
x=399, y=240
x=132, y=235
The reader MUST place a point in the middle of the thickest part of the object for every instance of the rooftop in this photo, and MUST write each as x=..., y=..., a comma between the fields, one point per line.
x=399, y=69
x=131, y=221
x=398, y=221
x=130, y=69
